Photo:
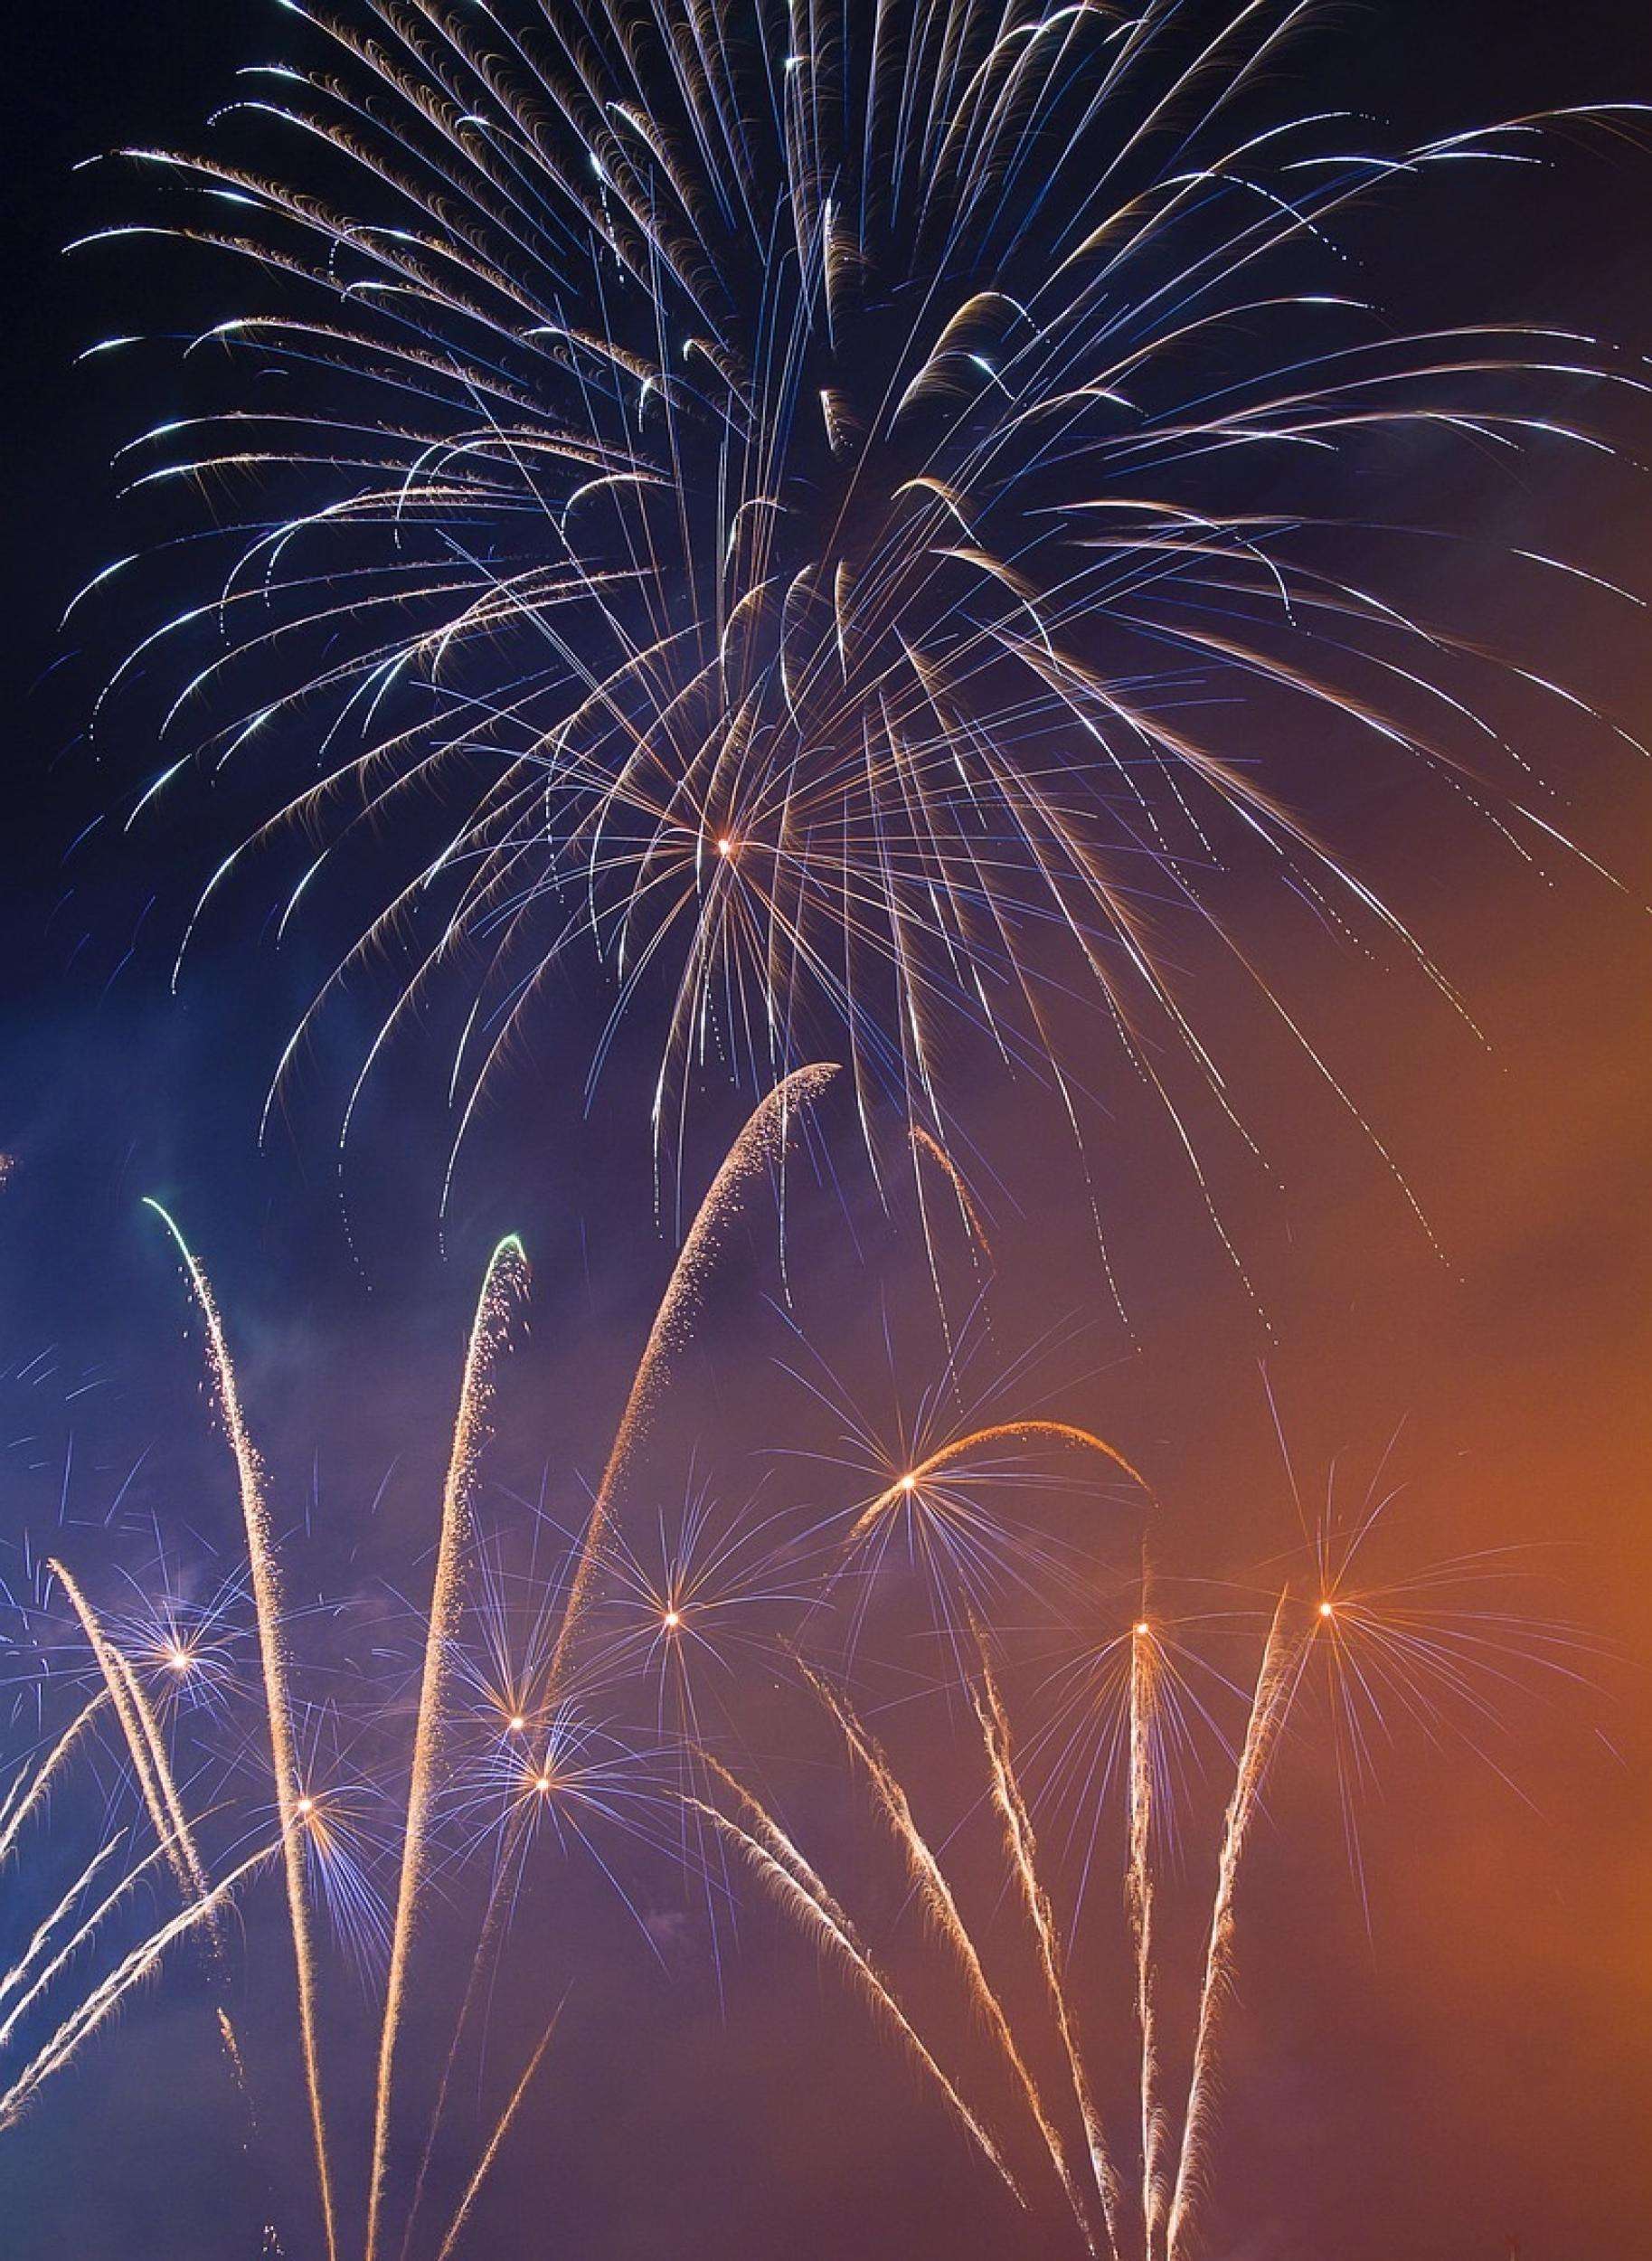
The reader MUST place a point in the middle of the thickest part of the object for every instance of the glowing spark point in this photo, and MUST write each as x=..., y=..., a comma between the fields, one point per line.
x=306, y=1806
x=177, y=1660
x=725, y=846
x=1326, y=1609
x=1141, y=1629
x=542, y=1782
x=909, y=1483
x=517, y=1722
x=672, y=1620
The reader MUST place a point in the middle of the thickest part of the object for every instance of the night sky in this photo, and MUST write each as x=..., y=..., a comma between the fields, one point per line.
x=1435, y=2048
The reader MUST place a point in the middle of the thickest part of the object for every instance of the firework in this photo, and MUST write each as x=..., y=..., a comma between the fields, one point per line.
x=67, y=1931
x=833, y=514
x=293, y=1804
x=505, y=1278
x=1146, y=1700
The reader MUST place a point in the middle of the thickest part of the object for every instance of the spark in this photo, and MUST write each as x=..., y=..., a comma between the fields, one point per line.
x=503, y=1282
x=761, y=1145
x=268, y=1601
x=1276, y=1684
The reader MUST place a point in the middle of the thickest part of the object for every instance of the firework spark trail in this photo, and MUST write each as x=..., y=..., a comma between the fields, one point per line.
x=1277, y=1678
x=503, y=1283
x=797, y=1887
x=924, y=1143
x=1144, y=1695
x=20, y=1970
x=86, y=1929
x=144, y=1746
x=936, y=1896
x=24, y=1805
x=947, y=1457
x=760, y=1145
x=496, y=2138
x=1021, y=1848
x=105, y=1998
x=267, y=1605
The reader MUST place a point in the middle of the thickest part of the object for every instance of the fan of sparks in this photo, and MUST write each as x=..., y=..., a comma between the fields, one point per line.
x=835, y=511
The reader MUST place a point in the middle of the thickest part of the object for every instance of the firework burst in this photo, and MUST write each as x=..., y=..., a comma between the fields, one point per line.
x=833, y=513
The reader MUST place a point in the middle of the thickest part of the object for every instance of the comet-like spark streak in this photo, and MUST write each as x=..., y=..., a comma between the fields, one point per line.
x=924, y=1143
x=941, y=1906
x=144, y=1746
x=761, y=1144
x=1277, y=1680
x=1138, y=1900
x=24, y=1800
x=105, y=1998
x=11, y=1980
x=266, y=1595
x=87, y=1928
x=496, y=2138
x=1022, y=1850
x=908, y=1488
x=796, y=1886
x=503, y=1282
x=786, y=492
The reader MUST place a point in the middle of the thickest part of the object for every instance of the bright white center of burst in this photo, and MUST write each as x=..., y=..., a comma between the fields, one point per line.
x=725, y=846
x=1141, y=1628
x=909, y=1483
x=517, y=1723
x=307, y=1805
x=672, y=1620
x=177, y=1660
x=543, y=1784
x=1326, y=1609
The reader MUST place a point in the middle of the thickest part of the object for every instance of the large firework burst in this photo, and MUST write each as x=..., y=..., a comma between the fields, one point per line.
x=834, y=510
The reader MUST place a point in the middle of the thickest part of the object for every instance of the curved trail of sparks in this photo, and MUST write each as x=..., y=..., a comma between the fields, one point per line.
x=947, y=1456
x=143, y=1742
x=797, y=1887
x=105, y=1998
x=24, y=1967
x=25, y=1804
x=925, y=1143
x=1276, y=1683
x=505, y=1280
x=1022, y=1850
x=86, y=1926
x=762, y=1142
x=936, y=1896
x=267, y=1598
